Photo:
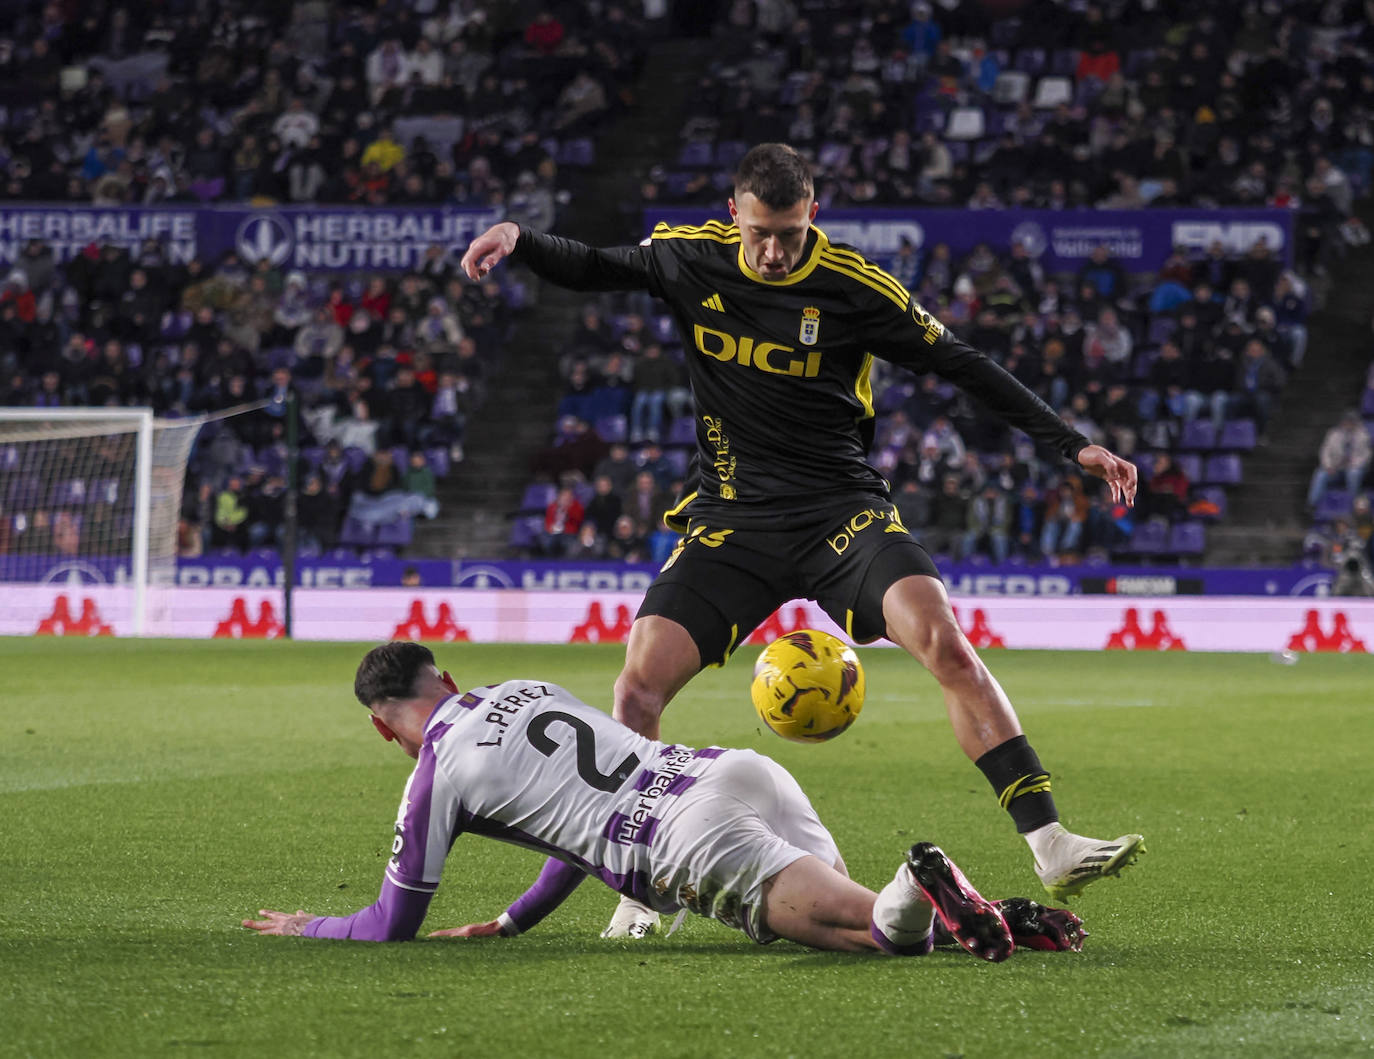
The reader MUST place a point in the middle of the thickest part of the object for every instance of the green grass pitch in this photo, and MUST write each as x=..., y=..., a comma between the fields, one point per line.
x=153, y=794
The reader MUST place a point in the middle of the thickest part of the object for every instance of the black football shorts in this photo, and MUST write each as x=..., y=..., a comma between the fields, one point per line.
x=720, y=584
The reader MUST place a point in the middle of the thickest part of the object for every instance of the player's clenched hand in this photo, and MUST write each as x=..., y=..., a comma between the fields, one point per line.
x=471, y=930
x=1119, y=474
x=283, y=923
x=489, y=248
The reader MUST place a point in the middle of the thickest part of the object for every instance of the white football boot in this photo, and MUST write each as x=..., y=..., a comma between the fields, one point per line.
x=631, y=920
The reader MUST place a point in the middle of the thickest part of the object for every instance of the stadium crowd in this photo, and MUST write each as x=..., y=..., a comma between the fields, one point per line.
x=480, y=104
x=237, y=100
x=1113, y=104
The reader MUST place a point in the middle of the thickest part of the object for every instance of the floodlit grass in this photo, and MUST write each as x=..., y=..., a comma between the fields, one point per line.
x=153, y=794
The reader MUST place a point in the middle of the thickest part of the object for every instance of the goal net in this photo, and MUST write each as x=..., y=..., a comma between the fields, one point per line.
x=89, y=503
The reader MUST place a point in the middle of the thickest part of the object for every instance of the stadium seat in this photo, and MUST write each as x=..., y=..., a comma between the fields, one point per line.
x=612, y=429
x=1064, y=61
x=399, y=533
x=1215, y=495
x=1190, y=463
x=1335, y=503
x=959, y=151
x=664, y=328
x=1011, y=87
x=1050, y=92
x=1367, y=403
x=577, y=152
x=1188, y=538
x=355, y=458
x=439, y=460
x=966, y=123
x=695, y=155
x=1237, y=434
x=538, y=496
x=1161, y=329
x=1150, y=537
x=729, y=152
x=1198, y=435
x=357, y=534
x=678, y=459
x=682, y=431
x=1030, y=60
x=1145, y=465
x=524, y=532
x=1222, y=468
x=68, y=493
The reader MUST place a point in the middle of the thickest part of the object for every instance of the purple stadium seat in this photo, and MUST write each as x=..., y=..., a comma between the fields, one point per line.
x=682, y=431
x=695, y=155
x=1190, y=463
x=1367, y=403
x=1149, y=538
x=678, y=460
x=1335, y=503
x=357, y=534
x=69, y=493
x=1188, y=538
x=525, y=531
x=1237, y=434
x=372, y=555
x=538, y=496
x=1216, y=495
x=355, y=458
x=611, y=429
x=1198, y=434
x=664, y=328
x=1160, y=330
x=1145, y=464
x=1222, y=469
x=439, y=461
x=1064, y=61
x=583, y=491
x=729, y=152
x=1030, y=60
x=399, y=533
x=340, y=555
x=577, y=152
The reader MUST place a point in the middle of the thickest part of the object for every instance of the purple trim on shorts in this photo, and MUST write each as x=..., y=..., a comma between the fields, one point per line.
x=679, y=784
x=709, y=752
x=892, y=949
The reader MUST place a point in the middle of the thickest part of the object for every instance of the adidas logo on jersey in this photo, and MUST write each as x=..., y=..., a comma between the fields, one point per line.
x=714, y=302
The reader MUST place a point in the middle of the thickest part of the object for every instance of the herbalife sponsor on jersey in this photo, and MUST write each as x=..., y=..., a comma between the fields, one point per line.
x=354, y=239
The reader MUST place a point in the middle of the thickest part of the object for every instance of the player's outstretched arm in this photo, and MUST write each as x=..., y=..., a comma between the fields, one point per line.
x=1119, y=474
x=489, y=249
x=285, y=924
x=489, y=929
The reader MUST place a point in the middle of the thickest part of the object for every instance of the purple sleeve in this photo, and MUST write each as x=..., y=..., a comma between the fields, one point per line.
x=430, y=818
x=556, y=881
x=395, y=916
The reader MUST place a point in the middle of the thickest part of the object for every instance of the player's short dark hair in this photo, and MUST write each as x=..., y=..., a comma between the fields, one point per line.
x=390, y=671
x=777, y=175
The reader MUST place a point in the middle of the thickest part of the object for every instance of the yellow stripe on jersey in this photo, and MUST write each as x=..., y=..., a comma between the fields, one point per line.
x=899, y=296
x=670, y=517
x=869, y=268
x=863, y=385
x=716, y=231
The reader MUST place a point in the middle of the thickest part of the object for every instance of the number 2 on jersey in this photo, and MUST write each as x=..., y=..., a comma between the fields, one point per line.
x=538, y=735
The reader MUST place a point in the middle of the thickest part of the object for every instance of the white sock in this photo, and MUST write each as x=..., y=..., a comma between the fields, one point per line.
x=1041, y=839
x=903, y=916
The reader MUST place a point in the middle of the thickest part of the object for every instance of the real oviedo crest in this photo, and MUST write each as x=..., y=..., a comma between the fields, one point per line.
x=810, y=326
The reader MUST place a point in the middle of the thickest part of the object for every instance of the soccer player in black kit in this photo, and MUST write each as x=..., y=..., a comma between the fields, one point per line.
x=781, y=327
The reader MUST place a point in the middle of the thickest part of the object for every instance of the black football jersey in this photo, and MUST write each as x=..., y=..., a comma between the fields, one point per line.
x=780, y=370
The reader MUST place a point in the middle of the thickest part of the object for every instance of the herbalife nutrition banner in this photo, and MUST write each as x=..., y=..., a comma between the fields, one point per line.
x=310, y=238
x=1140, y=240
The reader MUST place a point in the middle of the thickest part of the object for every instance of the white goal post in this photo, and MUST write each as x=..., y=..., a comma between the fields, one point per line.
x=93, y=496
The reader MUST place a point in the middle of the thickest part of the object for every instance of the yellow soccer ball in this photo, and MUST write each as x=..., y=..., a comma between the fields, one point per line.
x=808, y=686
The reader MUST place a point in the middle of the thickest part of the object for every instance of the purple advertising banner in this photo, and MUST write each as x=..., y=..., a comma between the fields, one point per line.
x=1062, y=240
x=315, y=238
x=964, y=579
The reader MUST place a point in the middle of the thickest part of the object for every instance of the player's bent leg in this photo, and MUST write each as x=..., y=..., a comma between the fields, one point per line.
x=811, y=903
x=660, y=658
x=919, y=618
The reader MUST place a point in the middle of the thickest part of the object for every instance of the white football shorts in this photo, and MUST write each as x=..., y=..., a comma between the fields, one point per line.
x=744, y=820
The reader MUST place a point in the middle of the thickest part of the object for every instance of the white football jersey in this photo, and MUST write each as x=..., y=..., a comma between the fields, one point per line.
x=528, y=763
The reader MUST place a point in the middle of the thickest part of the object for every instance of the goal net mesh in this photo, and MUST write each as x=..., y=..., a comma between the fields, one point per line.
x=69, y=505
